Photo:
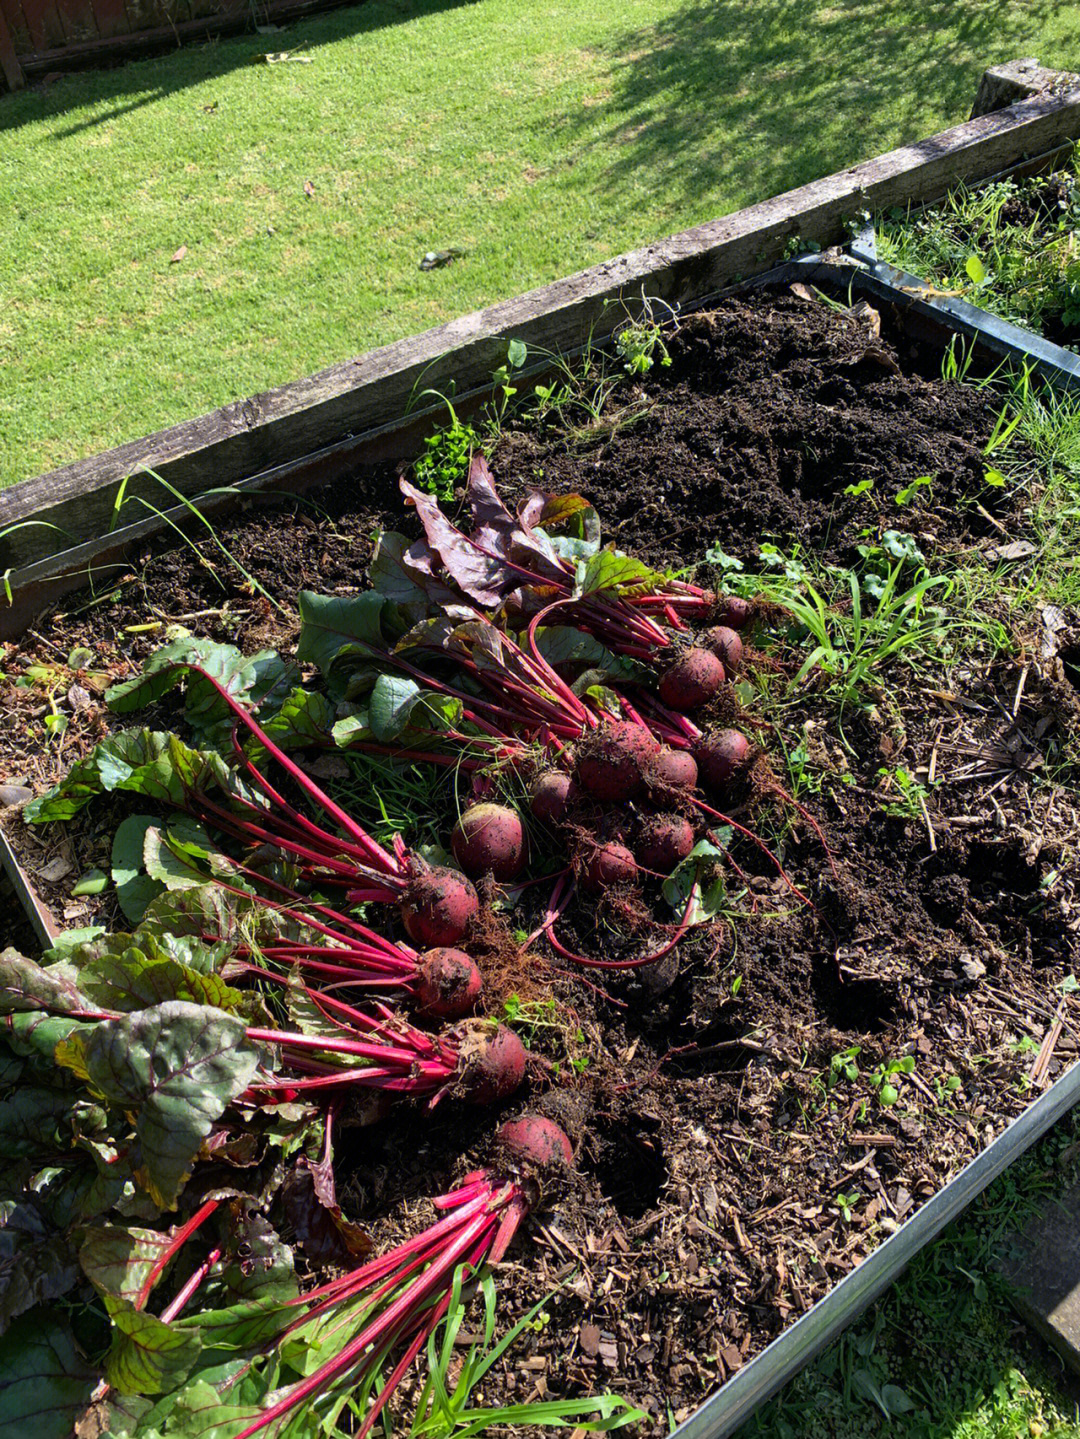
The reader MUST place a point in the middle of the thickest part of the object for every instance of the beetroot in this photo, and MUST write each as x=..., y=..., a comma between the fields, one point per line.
x=734, y=611
x=449, y=983
x=665, y=839
x=492, y=1064
x=609, y=864
x=673, y=769
x=489, y=839
x=438, y=907
x=612, y=763
x=551, y=796
x=726, y=645
x=691, y=681
x=535, y=1140
x=719, y=755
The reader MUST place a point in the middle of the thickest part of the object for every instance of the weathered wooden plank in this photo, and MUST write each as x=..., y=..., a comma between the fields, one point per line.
x=112, y=18
x=286, y=424
x=9, y=59
x=1003, y=85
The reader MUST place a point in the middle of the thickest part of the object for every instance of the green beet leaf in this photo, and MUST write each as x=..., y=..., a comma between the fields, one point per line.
x=147, y=1356
x=175, y=1067
x=45, y=1384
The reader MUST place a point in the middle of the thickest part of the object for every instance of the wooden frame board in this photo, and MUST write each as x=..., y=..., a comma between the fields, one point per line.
x=57, y=529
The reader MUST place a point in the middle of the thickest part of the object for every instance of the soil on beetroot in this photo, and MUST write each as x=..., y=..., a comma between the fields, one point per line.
x=727, y=1173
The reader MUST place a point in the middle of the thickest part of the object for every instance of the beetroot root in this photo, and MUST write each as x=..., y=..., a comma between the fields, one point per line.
x=609, y=865
x=551, y=796
x=691, y=681
x=727, y=646
x=664, y=841
x=720, y=755
x=489, y=839
x=673, y=769
x=450, y=983
x=537, y=1141
x=734, y=611
x=613, y=763
x=492, y=1064
x=438, y=907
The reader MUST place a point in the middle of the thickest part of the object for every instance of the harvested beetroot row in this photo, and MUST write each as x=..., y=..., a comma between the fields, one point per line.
x=403, y=1295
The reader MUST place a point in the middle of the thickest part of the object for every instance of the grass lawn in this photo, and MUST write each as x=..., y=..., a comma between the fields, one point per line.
x=537, y=138
x=961, y=1363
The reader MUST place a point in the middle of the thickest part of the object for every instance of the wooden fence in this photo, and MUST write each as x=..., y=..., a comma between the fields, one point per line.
x=38, y=36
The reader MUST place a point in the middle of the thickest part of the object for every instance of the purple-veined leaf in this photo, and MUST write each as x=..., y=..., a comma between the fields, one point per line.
x=174, y=1068
x=26, y=985
x=483, y=578
x=120, y=1260
x=45, y=1383
x=147, y=1356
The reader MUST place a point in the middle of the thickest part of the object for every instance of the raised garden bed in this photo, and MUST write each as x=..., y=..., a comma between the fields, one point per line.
x=751, y=1122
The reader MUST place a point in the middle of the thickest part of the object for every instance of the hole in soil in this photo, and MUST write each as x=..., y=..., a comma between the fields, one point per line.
x=631, y=1169
x=1070, y=662
x=859, y=1005
x=993, y=868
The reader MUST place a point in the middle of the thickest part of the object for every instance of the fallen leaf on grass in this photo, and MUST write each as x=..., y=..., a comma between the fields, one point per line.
x=1015, y=550
x=179, y=255
x=309, y=189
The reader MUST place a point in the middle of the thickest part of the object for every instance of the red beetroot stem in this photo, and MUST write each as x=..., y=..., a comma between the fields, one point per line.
x=411, y=1299
x=378, y=856
x=176, y=1243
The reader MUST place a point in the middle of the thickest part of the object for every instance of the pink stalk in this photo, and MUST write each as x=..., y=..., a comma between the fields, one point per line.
x=176, y=1243
x=405, y=1294
x=183, y=1295
x=377, y=856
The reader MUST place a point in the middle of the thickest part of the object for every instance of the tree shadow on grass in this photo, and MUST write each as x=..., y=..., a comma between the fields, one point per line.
x=796, y=89
x=129, y=86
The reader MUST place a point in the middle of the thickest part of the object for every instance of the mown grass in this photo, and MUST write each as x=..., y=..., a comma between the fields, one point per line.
x=538, y=138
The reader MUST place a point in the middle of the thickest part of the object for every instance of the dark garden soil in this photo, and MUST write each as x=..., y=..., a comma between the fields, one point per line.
x=727, y=1176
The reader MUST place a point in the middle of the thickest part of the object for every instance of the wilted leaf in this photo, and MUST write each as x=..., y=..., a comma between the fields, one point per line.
x=483, y=578
x=309, y=189
x=324, y=1234
x=159, y=766
x=178, y=255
